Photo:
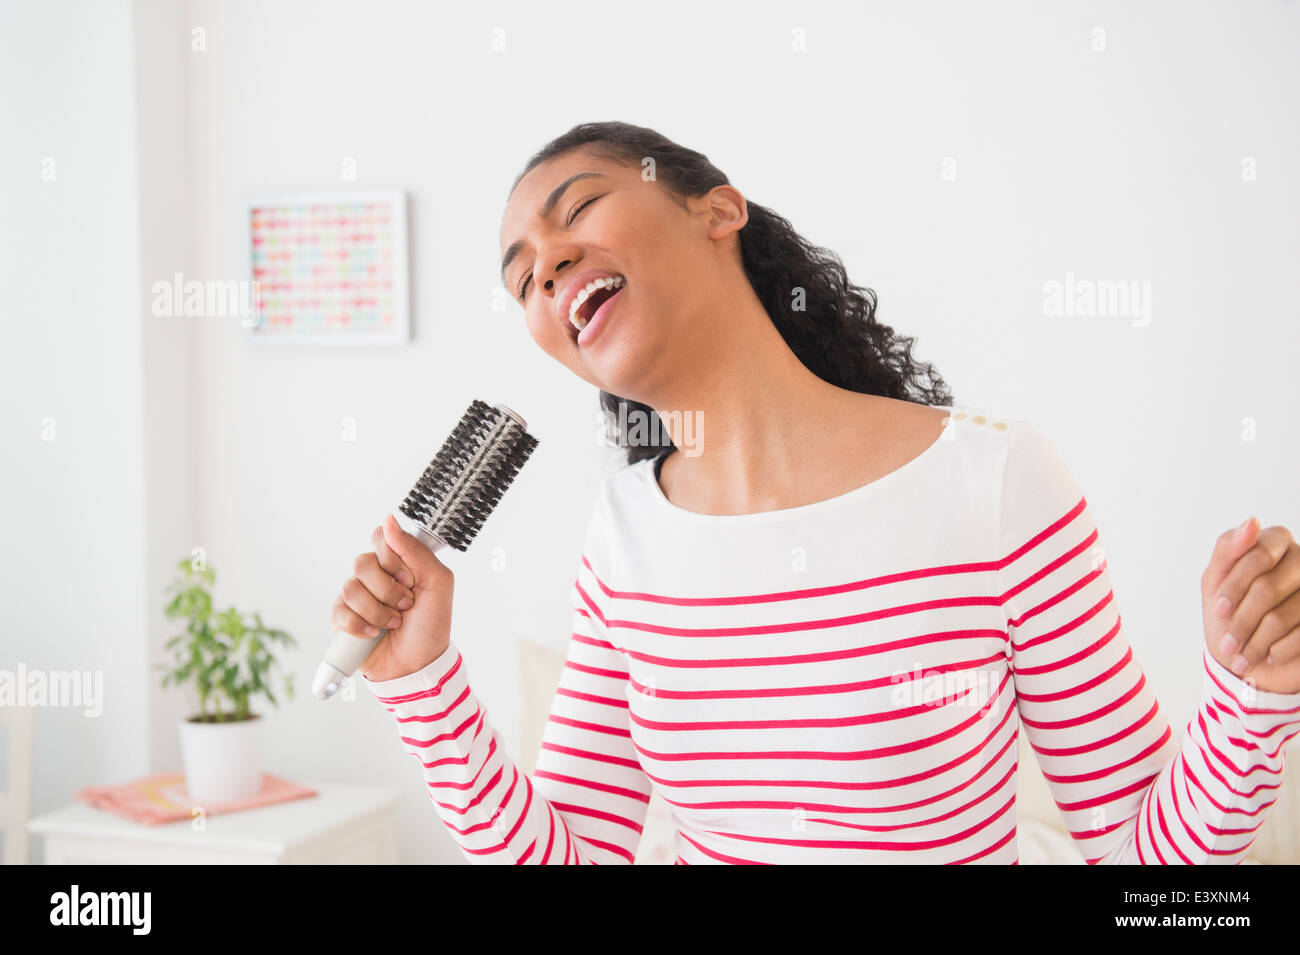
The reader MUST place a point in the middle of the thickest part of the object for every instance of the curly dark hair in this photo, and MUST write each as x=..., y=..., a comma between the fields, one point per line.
x=836, y=335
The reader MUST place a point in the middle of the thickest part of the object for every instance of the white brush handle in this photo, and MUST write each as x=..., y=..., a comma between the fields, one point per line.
x=346, y=652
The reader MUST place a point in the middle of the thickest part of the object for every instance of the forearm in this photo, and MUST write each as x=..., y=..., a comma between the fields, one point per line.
x=1207, y=804
x=490, y=808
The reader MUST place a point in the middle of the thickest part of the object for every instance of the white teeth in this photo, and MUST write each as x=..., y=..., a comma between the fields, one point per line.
x=613, y=281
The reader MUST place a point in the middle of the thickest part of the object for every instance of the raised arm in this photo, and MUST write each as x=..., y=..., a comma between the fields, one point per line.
x=586, y=800
x=1129, y=792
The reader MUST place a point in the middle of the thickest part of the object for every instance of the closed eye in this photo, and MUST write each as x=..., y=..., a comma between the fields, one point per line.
x=523, y=288
x=573, y=215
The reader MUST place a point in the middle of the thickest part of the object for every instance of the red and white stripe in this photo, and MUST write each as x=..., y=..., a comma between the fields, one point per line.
x=793, y=724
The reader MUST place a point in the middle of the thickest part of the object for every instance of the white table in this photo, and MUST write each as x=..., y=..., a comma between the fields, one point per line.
x=341, y=825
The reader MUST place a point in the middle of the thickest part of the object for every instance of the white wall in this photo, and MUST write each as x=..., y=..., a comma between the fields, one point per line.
x=1120, y=165
x=98, y=390
x=283, y=94
x=1123, y=164
x=169, y=397
x=73, y=509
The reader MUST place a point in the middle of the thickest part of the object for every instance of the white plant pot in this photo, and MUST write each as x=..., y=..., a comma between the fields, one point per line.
x=223, y=761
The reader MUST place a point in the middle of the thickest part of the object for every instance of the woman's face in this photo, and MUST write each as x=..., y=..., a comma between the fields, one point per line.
x=606, y=220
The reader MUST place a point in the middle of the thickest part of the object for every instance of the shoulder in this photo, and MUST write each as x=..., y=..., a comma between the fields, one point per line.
x=1036, y=489
x=620, y=503
x=627, y=482
x=620, y=494
x=1032, y=462
x=983, y=438
x=978, y=424
x=1013, y=443
x=1018, y=458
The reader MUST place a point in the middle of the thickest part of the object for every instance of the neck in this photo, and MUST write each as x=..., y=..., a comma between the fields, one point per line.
x=746, y=415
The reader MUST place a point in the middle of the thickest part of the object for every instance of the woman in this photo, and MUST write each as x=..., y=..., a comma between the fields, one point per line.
x=816, y=612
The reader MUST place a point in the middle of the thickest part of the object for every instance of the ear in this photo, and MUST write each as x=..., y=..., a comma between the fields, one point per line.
x=728, y=211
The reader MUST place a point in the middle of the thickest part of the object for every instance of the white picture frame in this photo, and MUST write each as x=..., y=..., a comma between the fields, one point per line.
x=284, y=289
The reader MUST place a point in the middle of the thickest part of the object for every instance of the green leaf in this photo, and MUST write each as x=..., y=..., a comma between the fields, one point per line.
x=224, y=655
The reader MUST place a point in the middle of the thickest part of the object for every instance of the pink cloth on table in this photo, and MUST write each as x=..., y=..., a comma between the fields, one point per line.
x=163, y=798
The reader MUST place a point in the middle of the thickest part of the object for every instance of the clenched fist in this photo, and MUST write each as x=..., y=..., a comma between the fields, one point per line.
x=1250, y=601
x=402, y=587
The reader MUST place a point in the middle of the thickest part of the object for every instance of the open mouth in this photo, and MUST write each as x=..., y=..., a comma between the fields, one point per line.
x=587, y=310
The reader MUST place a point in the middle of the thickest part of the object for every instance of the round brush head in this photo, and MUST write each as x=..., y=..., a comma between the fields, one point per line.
x=471, y=471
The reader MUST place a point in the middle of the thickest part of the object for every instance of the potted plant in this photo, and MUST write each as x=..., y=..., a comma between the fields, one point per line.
x=226, y=658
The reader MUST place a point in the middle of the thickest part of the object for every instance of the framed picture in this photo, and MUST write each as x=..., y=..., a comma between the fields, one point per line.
x=329, y=268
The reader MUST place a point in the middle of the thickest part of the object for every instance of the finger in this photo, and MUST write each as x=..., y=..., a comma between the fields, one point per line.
x=1229, y=604
x=1274, y=624
x=1227, y=549
x=1265, y=576
x=1269, y=549
x=368, y=607
x=381, y=583
x=413, y=553
x=1241, y=635
x=1285, y=650
x=389, y=560
x=345, y=619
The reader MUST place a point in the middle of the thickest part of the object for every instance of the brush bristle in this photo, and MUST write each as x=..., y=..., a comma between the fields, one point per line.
x=468, y=475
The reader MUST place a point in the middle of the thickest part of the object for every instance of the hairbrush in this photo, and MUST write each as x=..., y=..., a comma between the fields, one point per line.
x=446, y=508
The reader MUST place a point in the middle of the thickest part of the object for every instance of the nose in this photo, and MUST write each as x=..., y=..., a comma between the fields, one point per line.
x=550, y=283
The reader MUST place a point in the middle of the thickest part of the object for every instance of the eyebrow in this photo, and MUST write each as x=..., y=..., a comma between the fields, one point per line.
x=547, y=208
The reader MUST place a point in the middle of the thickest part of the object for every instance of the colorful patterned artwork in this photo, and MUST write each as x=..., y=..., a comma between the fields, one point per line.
x=330, y=267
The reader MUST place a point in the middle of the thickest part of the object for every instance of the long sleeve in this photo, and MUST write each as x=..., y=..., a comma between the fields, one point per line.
x=1129, y=792
x=587, y=797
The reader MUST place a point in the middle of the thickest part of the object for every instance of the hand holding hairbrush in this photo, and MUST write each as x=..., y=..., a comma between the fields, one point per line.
x=402, y=580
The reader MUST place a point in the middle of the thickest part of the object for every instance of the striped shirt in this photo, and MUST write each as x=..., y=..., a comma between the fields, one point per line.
x=845, y=682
